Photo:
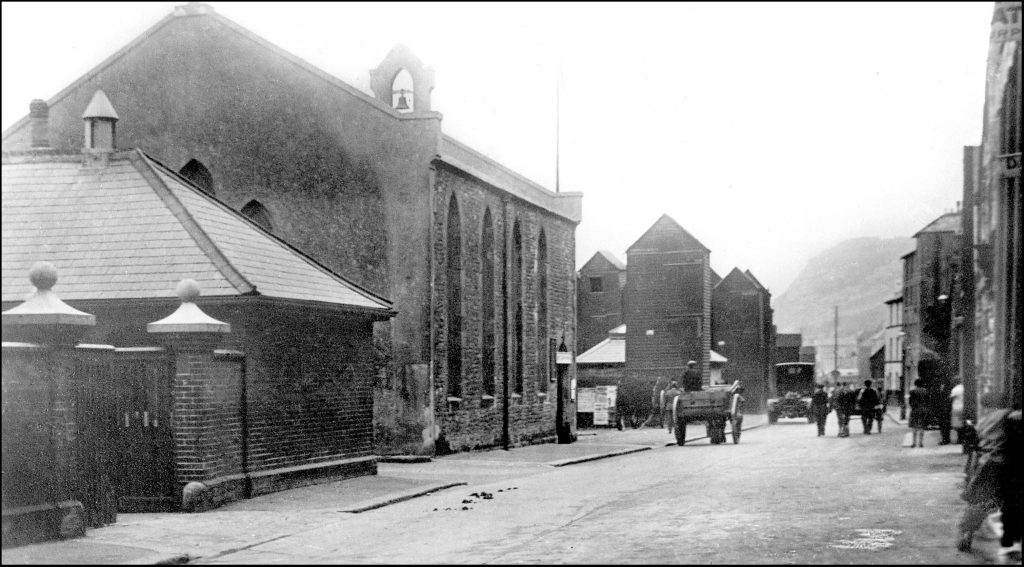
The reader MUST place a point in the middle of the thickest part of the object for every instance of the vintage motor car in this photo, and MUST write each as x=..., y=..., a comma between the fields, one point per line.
x=794, y=384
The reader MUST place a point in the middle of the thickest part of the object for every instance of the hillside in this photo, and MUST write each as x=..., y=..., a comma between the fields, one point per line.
x=858, y=275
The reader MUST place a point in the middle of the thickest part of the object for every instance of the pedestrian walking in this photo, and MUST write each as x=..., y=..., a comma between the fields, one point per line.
x=956, y=396
x=693, y=381
x=881, y=408
x=918, y=402
x=820, y=408
x=996, y=482
x=845, y=401
x=868, y=404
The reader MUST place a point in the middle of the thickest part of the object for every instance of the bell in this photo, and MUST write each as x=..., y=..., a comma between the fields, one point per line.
x=402, y=103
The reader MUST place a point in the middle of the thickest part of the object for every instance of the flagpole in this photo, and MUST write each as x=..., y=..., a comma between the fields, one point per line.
x=558, y=128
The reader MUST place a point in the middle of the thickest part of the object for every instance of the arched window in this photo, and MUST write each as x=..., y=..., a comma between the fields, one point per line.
x=197, y=173
x=543, y=331
x=453, y=287
x=258, y=214
x=487, y=305
x=517, y=306
x=1010, y=112
x=402, y=98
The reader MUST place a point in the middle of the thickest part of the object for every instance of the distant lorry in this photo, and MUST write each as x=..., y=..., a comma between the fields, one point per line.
x=794, y=384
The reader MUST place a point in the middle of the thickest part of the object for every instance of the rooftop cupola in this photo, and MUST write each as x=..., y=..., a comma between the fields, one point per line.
x=100, y=121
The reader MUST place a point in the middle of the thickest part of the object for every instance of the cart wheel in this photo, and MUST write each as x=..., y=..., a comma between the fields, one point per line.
x=736, y=414
x=679, y=422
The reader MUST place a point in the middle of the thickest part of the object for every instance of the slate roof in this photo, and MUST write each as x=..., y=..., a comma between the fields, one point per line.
x=949, y=222
x=133, y=229
x=468, y=160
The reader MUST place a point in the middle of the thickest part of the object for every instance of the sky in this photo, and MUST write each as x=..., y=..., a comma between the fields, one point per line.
x=769, y=131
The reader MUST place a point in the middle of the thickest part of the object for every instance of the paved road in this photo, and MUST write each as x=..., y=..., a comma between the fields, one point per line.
x=782, y=495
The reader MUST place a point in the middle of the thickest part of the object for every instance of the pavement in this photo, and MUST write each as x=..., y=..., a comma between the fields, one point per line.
x=169, y=538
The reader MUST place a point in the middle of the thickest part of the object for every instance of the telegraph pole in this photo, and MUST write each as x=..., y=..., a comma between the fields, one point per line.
x=835, y=346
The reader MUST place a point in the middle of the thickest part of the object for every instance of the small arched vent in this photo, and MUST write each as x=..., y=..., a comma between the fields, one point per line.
x=197, y=173
x=258, y=214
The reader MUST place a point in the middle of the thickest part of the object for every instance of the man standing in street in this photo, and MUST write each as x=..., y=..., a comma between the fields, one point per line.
x=867, y=403
x=844, y=401
x=819, y=408
x=693, y=381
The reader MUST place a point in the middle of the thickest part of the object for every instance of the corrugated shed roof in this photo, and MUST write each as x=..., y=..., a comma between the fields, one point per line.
x=609, y=351
x=717, y=358
x=133, y=229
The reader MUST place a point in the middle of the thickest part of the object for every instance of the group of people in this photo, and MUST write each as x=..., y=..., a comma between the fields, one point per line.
x=846, y=401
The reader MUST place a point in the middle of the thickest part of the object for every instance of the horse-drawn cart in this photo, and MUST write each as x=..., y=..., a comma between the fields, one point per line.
x=714, y=406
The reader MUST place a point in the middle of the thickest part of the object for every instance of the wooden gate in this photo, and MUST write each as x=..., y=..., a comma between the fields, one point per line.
x=96, y=446
x=146, y=476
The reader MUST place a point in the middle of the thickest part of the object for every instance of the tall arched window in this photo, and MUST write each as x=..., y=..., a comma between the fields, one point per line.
x=197, y=173
x=259, y=214
x=453, y=287
x=517, y=306
x=487, y=304
x=543, y=331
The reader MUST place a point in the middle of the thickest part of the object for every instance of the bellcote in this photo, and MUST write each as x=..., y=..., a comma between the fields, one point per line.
x=402, y=81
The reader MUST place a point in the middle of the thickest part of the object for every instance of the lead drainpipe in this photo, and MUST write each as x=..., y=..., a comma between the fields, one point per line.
x=432, y=175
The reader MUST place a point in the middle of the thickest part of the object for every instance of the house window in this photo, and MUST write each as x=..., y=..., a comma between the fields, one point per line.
x=453, y=294
x=596, y=285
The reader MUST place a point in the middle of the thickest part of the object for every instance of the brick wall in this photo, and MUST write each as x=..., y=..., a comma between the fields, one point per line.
x=27, y=458
x=475, y=421
x=309, y=385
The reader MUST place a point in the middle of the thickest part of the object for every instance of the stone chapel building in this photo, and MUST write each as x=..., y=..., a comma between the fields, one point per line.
x=478, y=261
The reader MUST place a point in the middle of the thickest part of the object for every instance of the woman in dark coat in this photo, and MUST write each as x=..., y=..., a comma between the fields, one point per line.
x=918, y=412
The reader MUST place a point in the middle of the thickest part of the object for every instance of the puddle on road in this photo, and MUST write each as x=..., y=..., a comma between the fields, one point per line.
x=869, y=539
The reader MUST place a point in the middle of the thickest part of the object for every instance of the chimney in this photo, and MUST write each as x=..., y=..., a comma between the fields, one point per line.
x=100, y=120
x=39, y=114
